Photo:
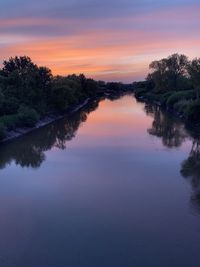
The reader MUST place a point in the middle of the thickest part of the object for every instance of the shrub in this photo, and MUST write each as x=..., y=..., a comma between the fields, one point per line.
x=164, y=97
x=181, y=95
x=10, y=121
x=27, y=116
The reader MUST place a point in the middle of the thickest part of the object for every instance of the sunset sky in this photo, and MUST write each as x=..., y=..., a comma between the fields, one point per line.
x=105, y=39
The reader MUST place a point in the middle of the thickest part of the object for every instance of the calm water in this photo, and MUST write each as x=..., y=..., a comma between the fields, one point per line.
x=115, y=185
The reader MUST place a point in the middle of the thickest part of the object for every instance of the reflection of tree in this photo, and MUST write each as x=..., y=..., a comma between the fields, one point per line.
x=191, y=166
x=190, y=169
x=165, y=127
x=28, y=151
x=173, y=133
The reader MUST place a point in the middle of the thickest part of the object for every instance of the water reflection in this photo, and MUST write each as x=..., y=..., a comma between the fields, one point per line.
x=110, y=199
x=190, y=168
x=173, y=133
x=29, y=151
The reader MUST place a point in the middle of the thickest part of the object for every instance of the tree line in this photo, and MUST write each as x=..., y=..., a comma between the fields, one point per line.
x=28, y=92
x=174, y=83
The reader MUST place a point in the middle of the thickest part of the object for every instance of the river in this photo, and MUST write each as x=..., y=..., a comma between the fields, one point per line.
x=114, y=185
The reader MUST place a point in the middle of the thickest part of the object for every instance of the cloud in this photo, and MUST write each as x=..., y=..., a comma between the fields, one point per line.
x=104, y=39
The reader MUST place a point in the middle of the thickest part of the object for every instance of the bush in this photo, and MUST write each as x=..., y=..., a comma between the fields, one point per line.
x=10, y=121
x=27, y=116
x=164, y=97
x=2, y=131
x=181, y=95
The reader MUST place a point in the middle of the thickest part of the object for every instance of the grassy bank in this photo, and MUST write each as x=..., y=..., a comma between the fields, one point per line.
x=173, y=84
x=29, y=93
x=181, y=103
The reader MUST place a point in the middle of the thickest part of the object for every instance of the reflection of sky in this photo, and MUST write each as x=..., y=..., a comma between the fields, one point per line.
x=107, y=39
x=114, y=197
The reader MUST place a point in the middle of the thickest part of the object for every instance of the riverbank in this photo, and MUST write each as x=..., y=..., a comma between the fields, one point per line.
x=29, y=93
x=45, y=120
x=173, y=83
x=181, y=104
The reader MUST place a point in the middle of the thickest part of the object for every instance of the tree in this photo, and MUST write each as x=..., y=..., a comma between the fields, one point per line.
x=167, y=72
x=63, y=95
x=194, y=72
x=28, y=117
x=25, y=81
x=19, y=64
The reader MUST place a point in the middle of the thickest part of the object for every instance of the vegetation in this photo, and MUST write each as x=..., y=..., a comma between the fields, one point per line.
x=173, y=83
x=30, y=151
x=2, y=131
x=172, y=133
x=28, y=92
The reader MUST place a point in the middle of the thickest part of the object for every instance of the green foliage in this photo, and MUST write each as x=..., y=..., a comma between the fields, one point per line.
x=27, y=116
x=168, y=72
x=18, y=64
x=64, y=93
x=194, y=72
x=10, y=121
x=181, y=95
x=174, y=83
x=28, y=92
x=184, y=83
x=91, y=87
x=164, y=97
x=26, y=83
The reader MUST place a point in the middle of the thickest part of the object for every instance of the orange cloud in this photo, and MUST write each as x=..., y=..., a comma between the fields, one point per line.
x=111, y=54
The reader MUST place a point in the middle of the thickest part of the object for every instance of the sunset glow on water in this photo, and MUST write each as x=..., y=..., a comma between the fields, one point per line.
x=105, y=193
x=99, y=133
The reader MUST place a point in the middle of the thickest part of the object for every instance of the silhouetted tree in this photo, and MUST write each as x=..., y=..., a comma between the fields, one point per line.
x=168, y=71
x=194, y=72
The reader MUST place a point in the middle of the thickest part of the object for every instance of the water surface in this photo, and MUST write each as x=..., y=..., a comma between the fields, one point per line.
x=116, y=184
